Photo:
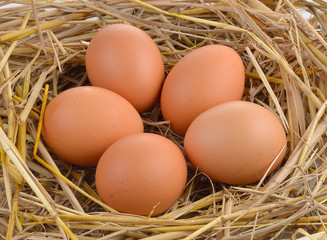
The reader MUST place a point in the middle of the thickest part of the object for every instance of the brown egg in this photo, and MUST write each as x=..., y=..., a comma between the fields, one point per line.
x=124, y=59
x=236, y=142
x=204, y=78
x=141, y=173
x=82, y=122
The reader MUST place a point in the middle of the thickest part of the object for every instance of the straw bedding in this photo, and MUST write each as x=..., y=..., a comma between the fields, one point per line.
x=42, y=53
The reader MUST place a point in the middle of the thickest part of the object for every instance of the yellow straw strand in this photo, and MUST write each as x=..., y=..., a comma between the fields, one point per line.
x=20, y=100
x=38, y=134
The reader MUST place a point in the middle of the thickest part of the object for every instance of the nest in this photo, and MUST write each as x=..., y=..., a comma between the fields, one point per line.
x=42, y=53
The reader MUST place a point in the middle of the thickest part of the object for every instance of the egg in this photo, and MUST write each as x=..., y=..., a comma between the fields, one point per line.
x=81, y=123
x=236, y=142
x=124, y=59
x=141, y=174
x=203, y=78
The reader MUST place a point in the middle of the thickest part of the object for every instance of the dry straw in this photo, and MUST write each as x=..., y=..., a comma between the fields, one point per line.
x=42, y=53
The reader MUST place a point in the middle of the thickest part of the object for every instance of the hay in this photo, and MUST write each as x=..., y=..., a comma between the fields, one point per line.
x=42, y=53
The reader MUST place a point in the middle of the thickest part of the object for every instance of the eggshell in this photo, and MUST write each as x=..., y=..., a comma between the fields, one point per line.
x=140, y=173
x=204, y=78
x=124, y=59
x=236, y=142
x=81, y=123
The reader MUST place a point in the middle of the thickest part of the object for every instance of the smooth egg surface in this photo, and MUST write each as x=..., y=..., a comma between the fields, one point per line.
x=141, y=174
x=203, y=78
x=124, y=59
x=81, y=123
x=236, y=142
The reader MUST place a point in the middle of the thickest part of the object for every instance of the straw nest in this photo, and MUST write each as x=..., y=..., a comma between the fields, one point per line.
x=43, y=45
